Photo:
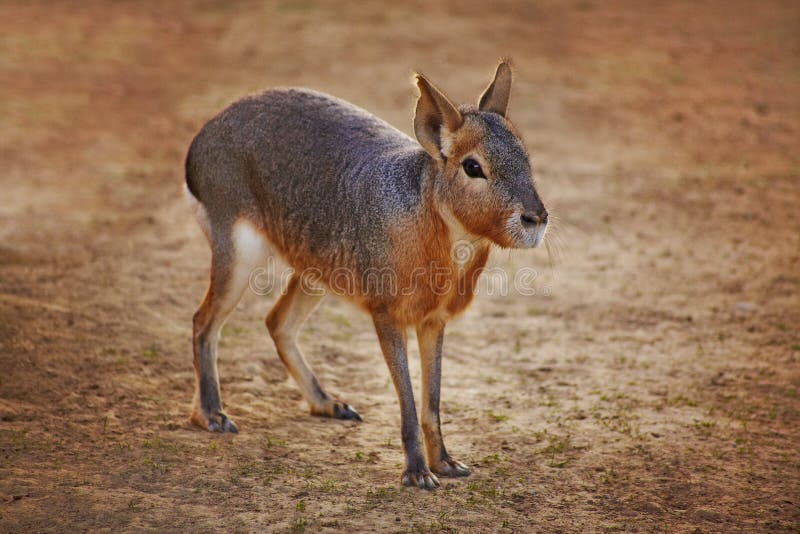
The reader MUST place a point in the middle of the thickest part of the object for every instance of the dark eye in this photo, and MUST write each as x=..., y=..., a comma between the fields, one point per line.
x=473, y=168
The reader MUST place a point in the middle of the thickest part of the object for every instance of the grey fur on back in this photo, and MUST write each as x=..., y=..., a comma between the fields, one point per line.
x=320, y=174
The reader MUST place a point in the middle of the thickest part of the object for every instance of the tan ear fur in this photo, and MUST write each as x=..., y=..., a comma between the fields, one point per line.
x=434, y=112
x=495, y=97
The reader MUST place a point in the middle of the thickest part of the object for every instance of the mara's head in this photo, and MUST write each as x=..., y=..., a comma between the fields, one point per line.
x=484, y=181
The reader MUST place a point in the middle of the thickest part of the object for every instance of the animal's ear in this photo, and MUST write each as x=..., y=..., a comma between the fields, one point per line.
x=434, y=112
x=495, y=97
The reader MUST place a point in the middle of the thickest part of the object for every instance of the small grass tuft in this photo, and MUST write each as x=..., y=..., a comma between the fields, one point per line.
x=496, y=417
x=151, y=354
x=299, y=525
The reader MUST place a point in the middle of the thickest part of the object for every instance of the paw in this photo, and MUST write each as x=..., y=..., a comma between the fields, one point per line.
x=214, y=422
x=421, y=478
x=450, y=468
x=337, y=410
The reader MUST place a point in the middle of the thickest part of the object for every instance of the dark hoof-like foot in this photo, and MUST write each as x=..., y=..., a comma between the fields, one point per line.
x=422, y=479
x=450, y=468
x=216, y=422
x=342, y=410
x=337, y=410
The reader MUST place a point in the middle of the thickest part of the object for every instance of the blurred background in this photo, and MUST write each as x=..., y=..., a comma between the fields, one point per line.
x=650, y=384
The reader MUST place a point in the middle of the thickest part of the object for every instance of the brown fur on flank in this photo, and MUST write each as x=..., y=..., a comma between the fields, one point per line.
x=350, y=202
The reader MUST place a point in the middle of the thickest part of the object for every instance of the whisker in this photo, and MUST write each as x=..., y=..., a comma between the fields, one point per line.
x=554, y=245
x=549, y=248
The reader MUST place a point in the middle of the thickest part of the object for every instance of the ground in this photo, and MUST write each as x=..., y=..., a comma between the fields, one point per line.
x=650, y=383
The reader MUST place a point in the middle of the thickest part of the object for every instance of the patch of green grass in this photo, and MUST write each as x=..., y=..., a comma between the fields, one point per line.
x=641, y=450
x=551, y=402
x=556, y=445
x=151, y=354
x=329, y=485
x=681, y=400
x=540, y=435
x=155, y=467
x=609, y=476
x=247, y=467
x=482, y=489
x=299, y=525
x=618, y=417
x=705, y=426
x=616, y=423
x=133, y=504
x=496, y=417
x=743, y=446
x=270, y=443
x=382, y=493
x=491, y=459
x=230, y=330
x=441, y=522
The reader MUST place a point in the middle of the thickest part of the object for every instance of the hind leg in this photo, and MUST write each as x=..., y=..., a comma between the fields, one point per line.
x=234, y=256
x=284, y=322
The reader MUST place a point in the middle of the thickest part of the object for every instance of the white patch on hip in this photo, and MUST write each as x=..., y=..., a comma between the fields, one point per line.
x=250, y=245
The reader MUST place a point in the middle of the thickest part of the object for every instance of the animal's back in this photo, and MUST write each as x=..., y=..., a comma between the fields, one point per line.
x=327, y=179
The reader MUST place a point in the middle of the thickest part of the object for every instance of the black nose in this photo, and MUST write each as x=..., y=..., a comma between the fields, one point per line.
x=530, y=219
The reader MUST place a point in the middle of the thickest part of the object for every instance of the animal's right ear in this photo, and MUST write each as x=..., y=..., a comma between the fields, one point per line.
x=434, y=112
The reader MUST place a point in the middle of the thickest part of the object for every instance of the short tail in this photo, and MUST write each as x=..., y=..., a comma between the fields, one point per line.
x=198, y=209
x=190, y=185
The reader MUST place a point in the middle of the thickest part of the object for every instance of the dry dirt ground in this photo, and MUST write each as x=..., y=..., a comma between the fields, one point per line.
x=650, y=384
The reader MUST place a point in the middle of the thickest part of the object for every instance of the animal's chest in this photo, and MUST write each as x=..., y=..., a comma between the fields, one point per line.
x=453, y=283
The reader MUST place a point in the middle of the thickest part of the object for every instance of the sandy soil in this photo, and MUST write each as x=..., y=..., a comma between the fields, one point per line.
x=651, y=384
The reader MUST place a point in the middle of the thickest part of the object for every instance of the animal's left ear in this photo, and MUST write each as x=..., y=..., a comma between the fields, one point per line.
x=495, y=97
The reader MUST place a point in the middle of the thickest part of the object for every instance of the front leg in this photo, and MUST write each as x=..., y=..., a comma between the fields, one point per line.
x=430, y=335
x=393, y=344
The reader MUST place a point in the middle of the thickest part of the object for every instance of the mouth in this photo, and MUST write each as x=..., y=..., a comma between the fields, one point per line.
x=526, y=233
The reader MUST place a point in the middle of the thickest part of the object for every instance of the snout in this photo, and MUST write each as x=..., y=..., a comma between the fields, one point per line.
x=534, y=225
x=531, y=219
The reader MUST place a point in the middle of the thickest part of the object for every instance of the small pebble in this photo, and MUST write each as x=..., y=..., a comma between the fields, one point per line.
x=746, y=306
